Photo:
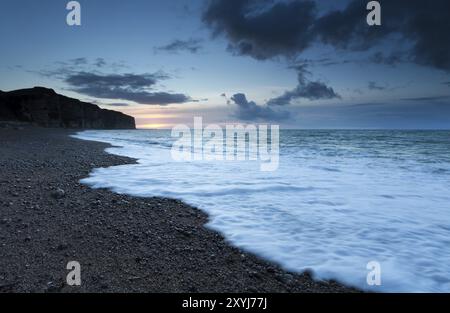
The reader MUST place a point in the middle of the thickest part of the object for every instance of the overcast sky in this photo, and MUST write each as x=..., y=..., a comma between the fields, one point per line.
x=300, y=64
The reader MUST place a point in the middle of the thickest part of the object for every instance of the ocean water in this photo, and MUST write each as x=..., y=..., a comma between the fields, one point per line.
x=339, y=200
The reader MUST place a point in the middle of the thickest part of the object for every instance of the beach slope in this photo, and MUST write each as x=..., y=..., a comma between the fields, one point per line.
x=124, y=244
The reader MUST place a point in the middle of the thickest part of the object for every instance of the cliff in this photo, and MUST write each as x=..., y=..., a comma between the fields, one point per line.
x=44, y=107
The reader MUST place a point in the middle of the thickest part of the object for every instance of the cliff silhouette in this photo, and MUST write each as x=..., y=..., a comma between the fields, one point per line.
x=44, y=107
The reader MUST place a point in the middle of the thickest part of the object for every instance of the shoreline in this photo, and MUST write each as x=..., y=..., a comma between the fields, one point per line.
x=123, y=243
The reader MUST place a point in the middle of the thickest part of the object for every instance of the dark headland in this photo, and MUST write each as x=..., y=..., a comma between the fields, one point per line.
x=44, y=107
x=123, y=243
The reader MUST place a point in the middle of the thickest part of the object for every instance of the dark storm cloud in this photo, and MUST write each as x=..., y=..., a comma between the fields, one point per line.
x=262, y=29
x=266, y=29
x=250, y=111
x=422, y=24
x=132, y=87
x=311, y=90
x=347, y=29
x=190, y=45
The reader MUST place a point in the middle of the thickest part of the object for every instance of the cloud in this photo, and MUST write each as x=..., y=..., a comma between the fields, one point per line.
x=432, y=98
x=114, y=81
x=132, y=87
x=118, y=104
x=191, y=45
x=375, y=86
x=79, y=61
x=325, y=61
x=139, y=88
x=392, y=59
x=250, y=111
x=423, y=26
x=311, y=90
x=79, y=64
x=199, y=100
x=267, y=29
x=262, y=30
x=100, y=62
x=306, y=89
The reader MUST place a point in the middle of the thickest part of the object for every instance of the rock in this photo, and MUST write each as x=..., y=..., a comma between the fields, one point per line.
x=44, y=107
x=308, y=274
x=52, y=287
x=58, y=194
x=286, y=278
x=254, y=274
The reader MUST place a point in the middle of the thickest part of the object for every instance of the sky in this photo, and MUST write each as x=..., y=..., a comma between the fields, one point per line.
x=296, y=63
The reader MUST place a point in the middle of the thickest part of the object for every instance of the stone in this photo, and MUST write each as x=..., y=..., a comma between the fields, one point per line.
x=58, y=194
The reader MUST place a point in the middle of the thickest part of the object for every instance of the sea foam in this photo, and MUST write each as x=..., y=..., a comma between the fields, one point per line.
x=339, y=200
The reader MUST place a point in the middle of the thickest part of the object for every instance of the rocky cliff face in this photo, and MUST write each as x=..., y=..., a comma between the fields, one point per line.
x=44, y=107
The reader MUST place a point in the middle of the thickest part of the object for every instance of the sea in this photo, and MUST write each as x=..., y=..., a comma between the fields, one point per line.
x=343, y=204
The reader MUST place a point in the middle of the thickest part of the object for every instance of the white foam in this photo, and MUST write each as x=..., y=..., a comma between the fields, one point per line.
x=338, y=201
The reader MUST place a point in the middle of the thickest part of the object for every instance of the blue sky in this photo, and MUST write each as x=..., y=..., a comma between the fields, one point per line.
x=323, y=82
